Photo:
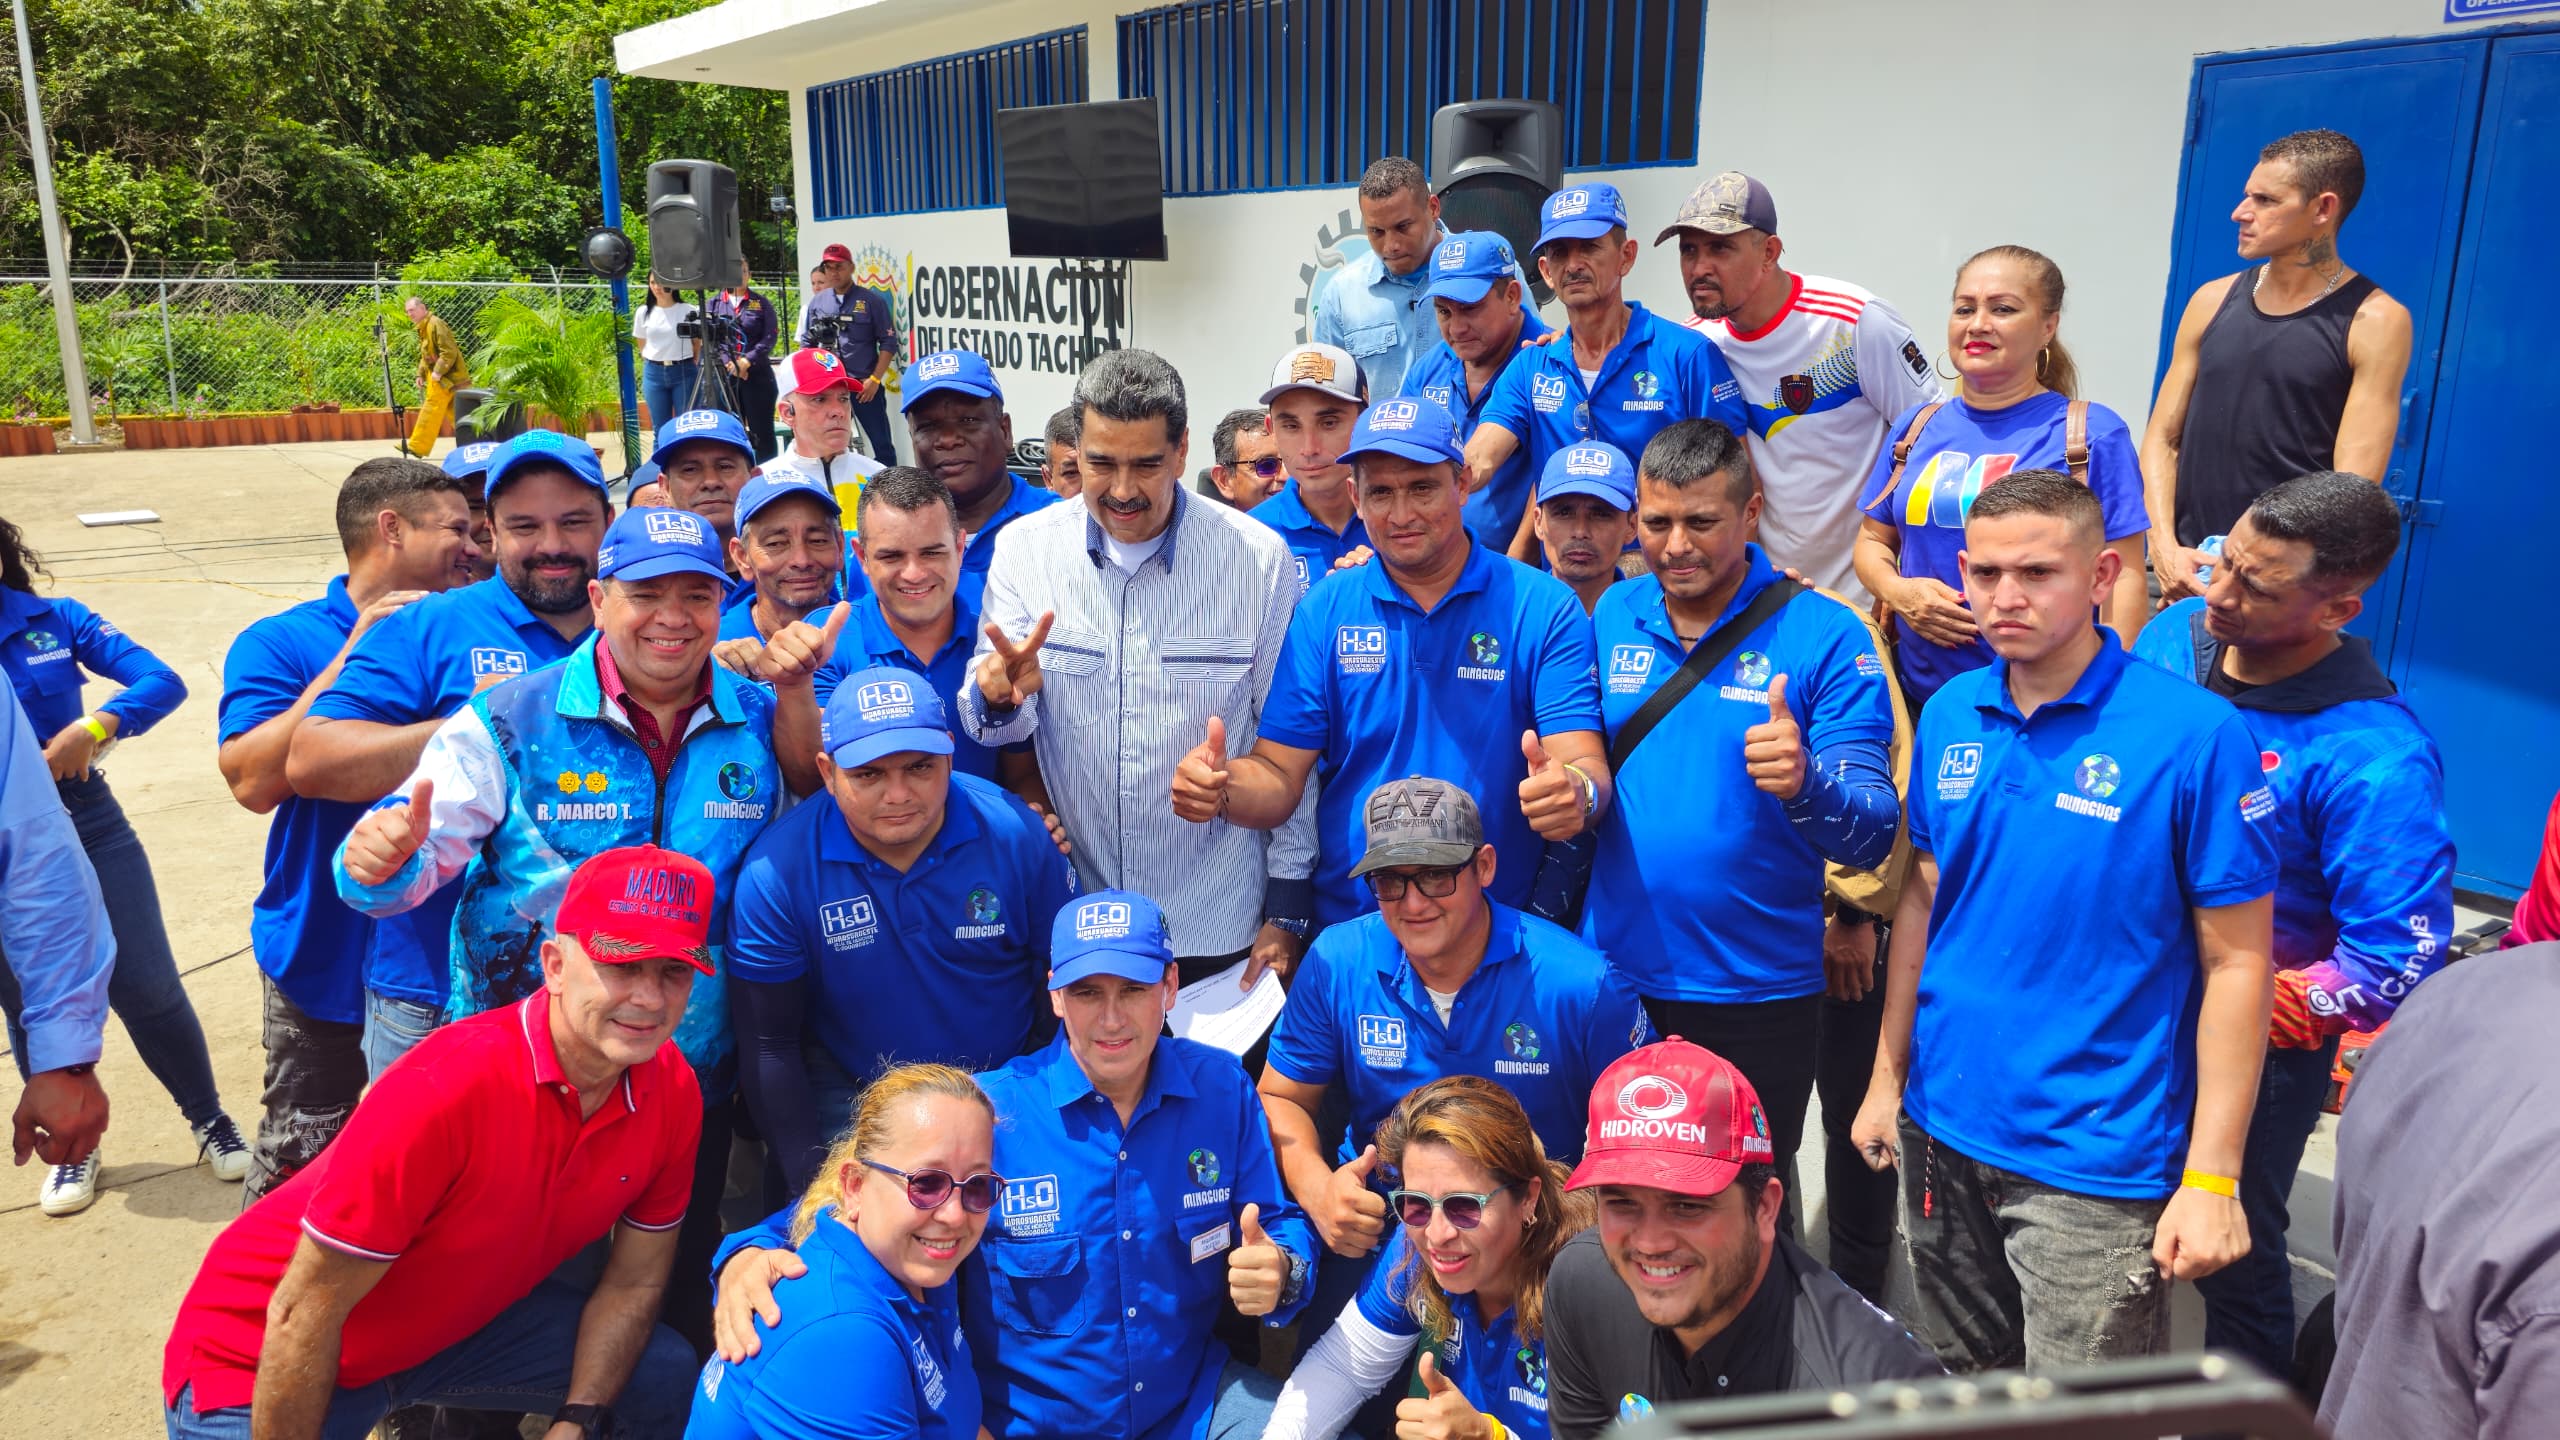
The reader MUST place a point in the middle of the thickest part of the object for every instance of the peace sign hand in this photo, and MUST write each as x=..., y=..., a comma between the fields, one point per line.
x=1010, y=674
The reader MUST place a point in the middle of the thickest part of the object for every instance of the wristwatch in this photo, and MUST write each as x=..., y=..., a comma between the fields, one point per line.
x=595, y=1422
x=1296, y=1285
x=1293, y=925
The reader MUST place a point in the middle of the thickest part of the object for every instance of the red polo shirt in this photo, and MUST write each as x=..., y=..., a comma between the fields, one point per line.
x=469, y=1169
x=657, y=744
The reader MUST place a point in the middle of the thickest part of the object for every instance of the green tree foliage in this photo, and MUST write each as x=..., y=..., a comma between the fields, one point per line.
x=189, y=131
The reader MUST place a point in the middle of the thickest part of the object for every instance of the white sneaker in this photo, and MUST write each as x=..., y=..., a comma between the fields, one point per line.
x=70, y=1189
x=218, y=1141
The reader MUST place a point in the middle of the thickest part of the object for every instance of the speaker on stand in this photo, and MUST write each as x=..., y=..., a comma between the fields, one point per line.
x=1493, y=164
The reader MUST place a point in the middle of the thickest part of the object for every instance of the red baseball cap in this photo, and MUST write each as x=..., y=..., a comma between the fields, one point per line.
x=639, y=903
x=815, y=371
x=1673, y=1116
x=835, y=255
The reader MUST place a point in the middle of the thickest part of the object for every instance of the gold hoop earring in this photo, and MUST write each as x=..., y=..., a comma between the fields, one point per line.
x=1943, y=374
x=2044, y=361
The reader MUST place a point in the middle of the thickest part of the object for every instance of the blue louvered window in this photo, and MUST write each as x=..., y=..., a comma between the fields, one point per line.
x=1282, y=94
x=923, y=136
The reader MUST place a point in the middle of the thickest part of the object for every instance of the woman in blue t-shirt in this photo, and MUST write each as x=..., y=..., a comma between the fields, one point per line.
x=869, y=1346
x=2012, y=412
x=1484, y=1212
x=49, y=646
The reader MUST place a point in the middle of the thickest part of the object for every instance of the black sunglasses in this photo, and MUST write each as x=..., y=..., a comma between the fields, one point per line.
x=1465, y=1211
x=1267, y=468
x=927, y=1189
x=1440, y=882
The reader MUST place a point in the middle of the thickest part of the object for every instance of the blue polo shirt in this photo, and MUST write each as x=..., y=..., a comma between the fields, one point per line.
x=947, y=962
x=855, y=1357
x=1380, y=691
x=311, y=945
x=1493, y=513
x=1500, y=1374
x=1543, y=1014
x=1703, y=888
x=738, y=622
x=867, y=640
x=1313, y=547
x=1659, y=374
x=2057, y=1021
x=45, y=644
x=1091, y=1301
x=981, y=552
x=423, y=662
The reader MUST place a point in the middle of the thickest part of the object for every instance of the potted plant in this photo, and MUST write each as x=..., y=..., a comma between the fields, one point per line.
x=547, y=356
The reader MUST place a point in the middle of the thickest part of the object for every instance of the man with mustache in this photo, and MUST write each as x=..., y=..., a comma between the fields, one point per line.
x=1585, y=517
x=1620, y=374
x=406, y=675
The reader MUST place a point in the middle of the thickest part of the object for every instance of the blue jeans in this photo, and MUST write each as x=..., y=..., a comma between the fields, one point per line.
x=144, y=991
x=2248, y=1305
x=518, y=1362
x=668, y=389
x=393, y=1027
x=1246, y=1398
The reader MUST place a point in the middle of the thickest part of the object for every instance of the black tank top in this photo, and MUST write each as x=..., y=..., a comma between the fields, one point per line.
x=2269, y=392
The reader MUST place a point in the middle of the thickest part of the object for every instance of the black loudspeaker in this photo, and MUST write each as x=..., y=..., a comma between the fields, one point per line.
x=693, y=224
x=1494, y=163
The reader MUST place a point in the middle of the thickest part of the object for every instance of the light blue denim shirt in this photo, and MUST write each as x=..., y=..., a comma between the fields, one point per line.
x=1384, y=320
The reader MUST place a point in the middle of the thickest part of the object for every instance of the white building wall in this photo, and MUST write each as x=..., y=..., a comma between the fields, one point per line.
x=1897, y=136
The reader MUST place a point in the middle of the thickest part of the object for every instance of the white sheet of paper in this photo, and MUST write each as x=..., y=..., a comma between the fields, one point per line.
x=1214, y=1011
x=97, y=518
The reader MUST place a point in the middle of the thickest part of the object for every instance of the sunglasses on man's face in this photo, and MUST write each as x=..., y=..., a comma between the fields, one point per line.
x=1266, y=468
x=1439, y=882
x=927, y=1189
x=1465, y=1211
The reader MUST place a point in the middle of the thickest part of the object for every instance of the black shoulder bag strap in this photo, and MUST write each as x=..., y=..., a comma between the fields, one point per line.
x=1711, y=652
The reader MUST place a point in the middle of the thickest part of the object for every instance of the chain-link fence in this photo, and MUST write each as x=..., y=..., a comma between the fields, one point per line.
x=197, y=346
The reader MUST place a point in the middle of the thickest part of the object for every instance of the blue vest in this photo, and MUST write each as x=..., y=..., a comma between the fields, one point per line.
x=578, y=784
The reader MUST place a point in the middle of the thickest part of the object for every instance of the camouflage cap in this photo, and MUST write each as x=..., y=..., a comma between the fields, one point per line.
x=1419, y=822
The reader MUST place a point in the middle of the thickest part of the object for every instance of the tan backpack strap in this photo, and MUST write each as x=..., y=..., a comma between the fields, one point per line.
x=1910, y=433
x=2075, y=440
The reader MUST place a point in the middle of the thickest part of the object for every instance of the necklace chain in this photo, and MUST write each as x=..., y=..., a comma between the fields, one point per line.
x=2337, y=278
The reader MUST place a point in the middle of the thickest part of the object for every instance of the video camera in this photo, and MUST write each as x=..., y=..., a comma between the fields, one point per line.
x=826, y=332
x=716, y=332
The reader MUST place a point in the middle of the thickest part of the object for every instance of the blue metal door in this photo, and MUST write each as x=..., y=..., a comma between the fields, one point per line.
x=2412, y=107
x=2474, y=659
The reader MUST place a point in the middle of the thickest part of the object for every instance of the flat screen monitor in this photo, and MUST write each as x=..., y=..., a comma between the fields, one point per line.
x=1083, y=182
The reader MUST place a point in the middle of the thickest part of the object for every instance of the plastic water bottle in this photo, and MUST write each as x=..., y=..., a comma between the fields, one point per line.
x=2212, y=548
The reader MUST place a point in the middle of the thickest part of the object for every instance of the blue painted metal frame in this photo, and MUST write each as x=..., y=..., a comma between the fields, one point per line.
x=923, y=137
x=1321, y=86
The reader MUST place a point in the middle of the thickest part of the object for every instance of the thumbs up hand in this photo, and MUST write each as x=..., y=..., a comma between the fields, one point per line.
x=1774, y=752
x=384, y=839
x=1257, y=1271
x=796, y=651
x=1552, y=798
x=1349, y=1215
x=1200, y=778
x=1441, y=1411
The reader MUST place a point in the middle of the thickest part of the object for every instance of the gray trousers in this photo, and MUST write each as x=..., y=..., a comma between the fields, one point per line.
x=315, y=1074
x=2012, y=1272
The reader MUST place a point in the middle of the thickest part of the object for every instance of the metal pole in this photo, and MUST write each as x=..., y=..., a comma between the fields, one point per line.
x=609, y=170
x=168, y=349
x=66, y=324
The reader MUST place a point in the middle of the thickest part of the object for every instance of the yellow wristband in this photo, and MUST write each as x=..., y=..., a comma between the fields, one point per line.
x=97, y=728
x=2222, y=1185
x=1494, y=1428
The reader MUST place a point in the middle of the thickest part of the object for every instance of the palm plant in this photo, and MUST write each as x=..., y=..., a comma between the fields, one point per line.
x=549, y=355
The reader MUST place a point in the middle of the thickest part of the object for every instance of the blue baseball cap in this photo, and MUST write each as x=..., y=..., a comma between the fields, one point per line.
x=1592, y=467
x=464, y=461
x=1468, y=265
x=1581, y=212
x=1109, y=932
x=1413, y=428
x=963, y=371
x=766, y=486
x=659, y=540
x=882, y=710
x=692, y=425
x=544, y=447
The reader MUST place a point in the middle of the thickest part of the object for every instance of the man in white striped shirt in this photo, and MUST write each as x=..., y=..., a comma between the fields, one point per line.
x=1120, y=633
